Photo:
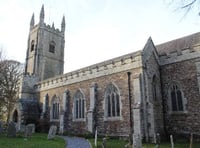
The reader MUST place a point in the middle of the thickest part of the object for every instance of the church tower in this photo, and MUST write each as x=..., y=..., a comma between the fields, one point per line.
x=45, y=51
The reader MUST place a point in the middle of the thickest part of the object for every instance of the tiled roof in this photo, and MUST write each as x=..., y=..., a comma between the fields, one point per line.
x=179, y=44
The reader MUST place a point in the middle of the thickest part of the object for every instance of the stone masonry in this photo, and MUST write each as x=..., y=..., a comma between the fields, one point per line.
x=164, y=88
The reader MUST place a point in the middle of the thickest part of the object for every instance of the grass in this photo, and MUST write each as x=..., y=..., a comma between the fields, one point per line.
x=116, y=143
x=37, y=140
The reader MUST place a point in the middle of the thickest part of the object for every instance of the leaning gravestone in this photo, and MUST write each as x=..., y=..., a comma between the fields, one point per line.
x=11, y=131
x=52, y=132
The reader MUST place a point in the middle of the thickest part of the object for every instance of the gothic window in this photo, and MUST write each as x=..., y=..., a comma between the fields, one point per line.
x=176, y=99
x=112, y=101
x=32, y=45
x=52, y=47
x=55, y=108
x=79, y=105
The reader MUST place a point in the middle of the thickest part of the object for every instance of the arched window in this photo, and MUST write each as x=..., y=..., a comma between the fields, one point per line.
x=15, y=116
x=46, y=103
x=79, y=105
x=154, y=88
x=32, y=45
x=66, y=98
x=55, y=108
x=52, y=47
x=176, y=99
x=112, y=101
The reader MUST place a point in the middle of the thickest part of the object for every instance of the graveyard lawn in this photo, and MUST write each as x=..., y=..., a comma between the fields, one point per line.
x=38, y=140
x=116, y=143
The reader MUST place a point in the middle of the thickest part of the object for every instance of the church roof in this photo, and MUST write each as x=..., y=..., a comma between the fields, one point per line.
x=186, y=42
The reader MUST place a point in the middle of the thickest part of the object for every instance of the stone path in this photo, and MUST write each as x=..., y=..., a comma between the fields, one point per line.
x=76, y=142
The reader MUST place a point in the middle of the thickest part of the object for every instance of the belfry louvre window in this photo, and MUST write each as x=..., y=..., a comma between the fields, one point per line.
x=52, y=47
x=79, y=106
x=112, y=101
x=176, y=99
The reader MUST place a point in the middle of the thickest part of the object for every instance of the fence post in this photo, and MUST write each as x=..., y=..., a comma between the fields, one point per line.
x=191, y=140
x=172, y=141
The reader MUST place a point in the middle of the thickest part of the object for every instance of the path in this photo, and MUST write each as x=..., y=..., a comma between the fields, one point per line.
x=76, y=142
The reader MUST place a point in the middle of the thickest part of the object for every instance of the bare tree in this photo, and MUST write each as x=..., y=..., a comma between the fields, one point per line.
x=10, y=73
x=185, y=5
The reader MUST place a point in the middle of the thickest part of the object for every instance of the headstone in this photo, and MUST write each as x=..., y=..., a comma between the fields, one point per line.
x=157, y=140
x=191, y=140
x=95, y=142
x=61, y=124
x=52, y=132
x=11, y=131
x=28, y=131
x=172, y=141
x=104, y=143
x=22, y=128
x=1, y=127
x=137, y=142
x=32, y=126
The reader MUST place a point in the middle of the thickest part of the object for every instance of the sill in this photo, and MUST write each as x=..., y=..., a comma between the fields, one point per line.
x=54, y=120
x=178, y=112
x=79, y=120
x=113, y=118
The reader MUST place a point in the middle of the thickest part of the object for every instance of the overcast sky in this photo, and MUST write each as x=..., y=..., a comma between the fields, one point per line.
x=96, y=30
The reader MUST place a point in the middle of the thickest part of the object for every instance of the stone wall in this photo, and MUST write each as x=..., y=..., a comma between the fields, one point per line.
x=183, y=73
x=102, y=75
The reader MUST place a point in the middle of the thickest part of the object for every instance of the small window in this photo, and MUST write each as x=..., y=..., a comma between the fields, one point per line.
x=32, y=45
x=52, y=47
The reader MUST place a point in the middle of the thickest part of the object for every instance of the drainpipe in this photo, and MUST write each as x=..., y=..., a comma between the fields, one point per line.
x=130, y=107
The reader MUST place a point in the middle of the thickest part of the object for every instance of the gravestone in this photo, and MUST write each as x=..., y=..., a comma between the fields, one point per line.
x=1, y=127
x=137, y=142
x=52, y=132
x=30, y=129
x=171, y=141
x=157, y=140
x=22, y=128
x=95, y=141
x=104, y=143
x=61, y=124
x=32, y=126
x=11, y=131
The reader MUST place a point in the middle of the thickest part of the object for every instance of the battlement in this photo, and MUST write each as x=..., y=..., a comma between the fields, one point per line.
x=123, y=63
x=180, y=55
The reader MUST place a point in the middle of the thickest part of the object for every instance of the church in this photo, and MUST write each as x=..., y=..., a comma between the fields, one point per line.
x=153, y=90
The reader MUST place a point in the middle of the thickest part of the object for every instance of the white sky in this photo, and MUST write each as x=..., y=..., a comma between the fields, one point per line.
x=96, y=30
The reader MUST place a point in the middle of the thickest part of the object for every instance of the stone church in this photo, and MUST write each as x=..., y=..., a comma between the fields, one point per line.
x=153, y=90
